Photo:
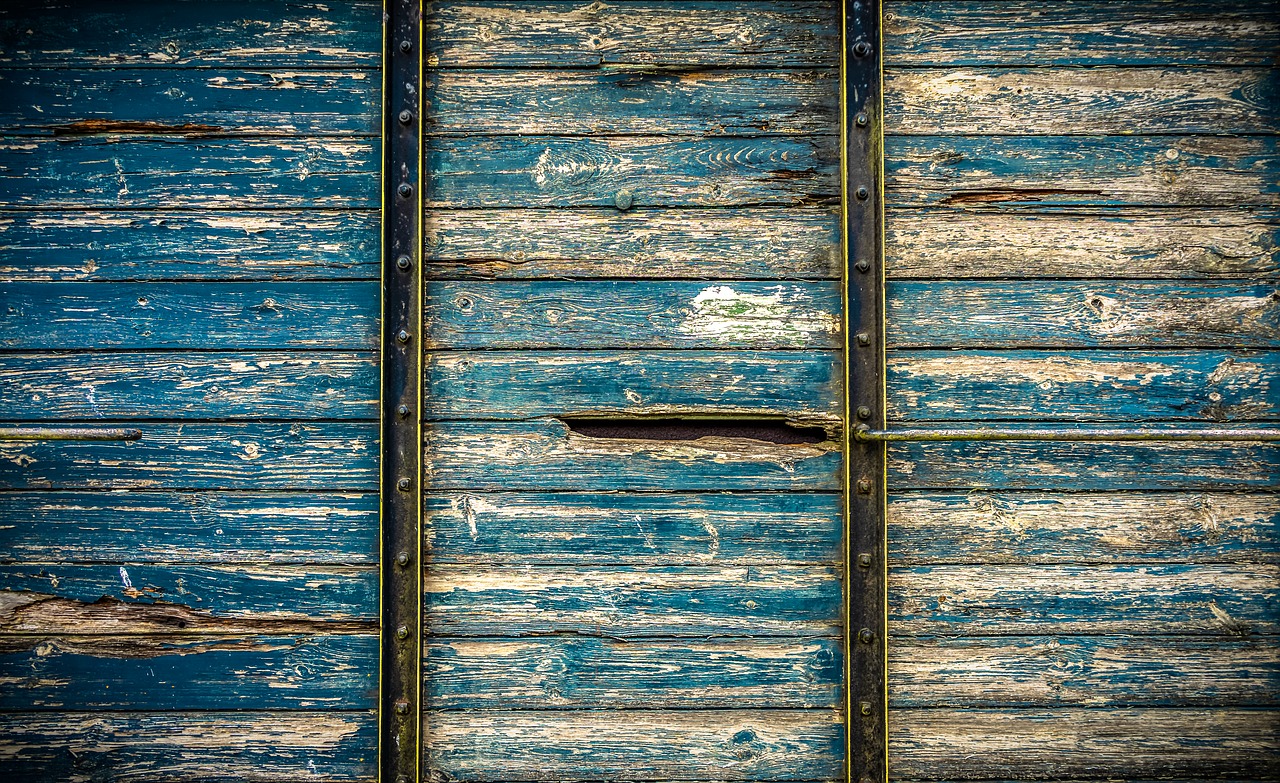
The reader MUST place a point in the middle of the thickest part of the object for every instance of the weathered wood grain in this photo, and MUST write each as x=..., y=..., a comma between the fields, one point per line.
x=961, y=600
x=546, y=455
x=1076, y=385
x=234, y=33
x=277, y=245
x=691, y=32
x=1074, y=743
x=1052, y=314
x=557, y=171
x=284, y=746
x=598, y=529
x=1108, y=170
x=632, y=314
x=1091, y=671
x=1083, y=466
x=258, y=386
x=193, y=315
x=798, y=745
x=189, y=673
x=189, y=103
x=1069, y=101
x=1128, y=243
x=520, y=384
x=334, y=456
x=631, y=601
x=189, y=527
x=722, y=244
x=162, y=171
x=1079, y=528
x=583, y=673
x=636, y=100
x=1080, y=32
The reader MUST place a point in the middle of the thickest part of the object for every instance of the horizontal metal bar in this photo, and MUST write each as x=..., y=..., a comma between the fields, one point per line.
x=865, y=434
x=69, y=433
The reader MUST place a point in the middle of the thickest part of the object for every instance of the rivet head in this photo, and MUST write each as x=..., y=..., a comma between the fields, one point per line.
x=863, y=338
x=864, y=560
x=403, y=632
x=864, y=707
x=406, y=117
x=862, y=193
x=864, y=486
x=864, y=412
x=622, y=199
x=402, y=336
x=404, y=262
x=406, y=46
x=404, y=484
x=402, y=559
x=403, y=410
x=402, y=707
x=862, y=119
x=405, y=189
x=866, y=636
x=862, y=48
x=863, y=266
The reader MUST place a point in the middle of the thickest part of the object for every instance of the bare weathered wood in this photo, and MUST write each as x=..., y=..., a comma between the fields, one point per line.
x=946, y=744
x=1129, y=243
x=1078, y=528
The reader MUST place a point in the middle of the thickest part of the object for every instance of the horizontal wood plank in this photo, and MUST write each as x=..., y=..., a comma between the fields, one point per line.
x=1127, y=243
x=799, y=745
x=629, y=601
x=1090, y=671
x=632, y=314
x=1080, y=32
x=1053, y=314
x=1106, y=170
x=165, y=171
x=644, y=171
x=1075, y=385
x=192, y=315
x=189, y=103
x=690, y=32
x=1023, y=101
x=595, y=529
x=334, y=456
x=959, y=600
x=1079, y=528
x=189, y=527
x=581, y=673
x=1071, y=743
x=185, y=673
x=284, y=746
x=546, y=455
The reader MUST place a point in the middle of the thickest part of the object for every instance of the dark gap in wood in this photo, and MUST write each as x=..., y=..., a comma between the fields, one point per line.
x=766, y=430
x=94, y=127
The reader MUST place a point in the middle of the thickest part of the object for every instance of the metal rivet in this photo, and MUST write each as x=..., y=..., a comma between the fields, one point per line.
x=405, y=189
x=404, y=262
x=406, y=117
x=862, y=48
x=404, y=484
x=864, y=412
x=864, y=560
x=863, y=338
x=402, y=707
x=863, y=266
x=406, y=46
x=403, y=410
x=862, y=193
x=866, y=636
x=862, y=119
x=402, y=559
x=402, y=336
x=864, y=486
x=403, y=632
x=864, y=707
x=405, y=779
x=622, y=199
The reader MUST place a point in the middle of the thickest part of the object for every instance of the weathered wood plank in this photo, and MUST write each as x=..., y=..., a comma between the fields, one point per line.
x=233, y=33
x=1091, y=671
x=1052, y=314
x=723, y=244
x=799, y=745
x=596, y=529
x=258, y=386
x=521, y=384
x=630, y=601
x=689, y=33
x=1090, y=385
x=142, y=316
x=186, y=673
x=1129, y=243
x=634, y=100
x=284, y=746
x=581, y=673
x=961, y=600
x=1080, y=742
x=149, y=245
x=1083, y=466
x=203, y=527
x=334, y=456
x=632, y=314
x=163, y=171
x=316, y=593
x=556, y=171
x=189, y=103
x=1082, y=101
x=1111, y=170
x=546, y=455
x=1080, y=32
x=1077, y=528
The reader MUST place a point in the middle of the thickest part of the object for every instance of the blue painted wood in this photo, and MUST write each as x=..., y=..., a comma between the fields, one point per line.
x=148, y=316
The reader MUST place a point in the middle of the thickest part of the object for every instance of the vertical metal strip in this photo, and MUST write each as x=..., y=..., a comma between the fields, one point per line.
x=863, y=206
x=399, y=705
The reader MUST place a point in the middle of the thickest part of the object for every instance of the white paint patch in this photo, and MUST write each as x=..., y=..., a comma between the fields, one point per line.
x=124, y=579
x=725, y=315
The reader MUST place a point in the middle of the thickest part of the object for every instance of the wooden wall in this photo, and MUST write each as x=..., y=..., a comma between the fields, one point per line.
x=189, y=245
x=1082, y=226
